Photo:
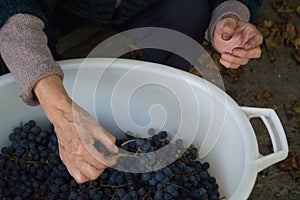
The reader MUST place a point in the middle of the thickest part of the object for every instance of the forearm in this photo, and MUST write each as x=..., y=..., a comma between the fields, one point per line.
x=24, y=50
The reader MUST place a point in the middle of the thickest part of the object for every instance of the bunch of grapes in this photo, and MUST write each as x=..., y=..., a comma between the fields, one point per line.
x=30, y=168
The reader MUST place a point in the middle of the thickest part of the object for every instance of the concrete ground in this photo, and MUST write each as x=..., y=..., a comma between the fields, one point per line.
x=271, y=81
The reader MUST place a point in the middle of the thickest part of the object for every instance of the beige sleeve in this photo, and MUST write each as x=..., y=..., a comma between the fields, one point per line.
x=23, y=47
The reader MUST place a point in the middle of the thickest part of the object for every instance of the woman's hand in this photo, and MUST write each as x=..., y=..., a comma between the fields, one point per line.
x=236, y=41
x=76, y=131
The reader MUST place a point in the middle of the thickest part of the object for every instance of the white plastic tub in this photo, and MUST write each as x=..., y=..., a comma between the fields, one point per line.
x=234, y=155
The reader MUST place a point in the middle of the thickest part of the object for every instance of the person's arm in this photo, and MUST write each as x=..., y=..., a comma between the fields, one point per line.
x=24, y=50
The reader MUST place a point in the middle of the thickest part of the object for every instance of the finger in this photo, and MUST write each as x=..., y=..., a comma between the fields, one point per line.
x=77, y=175
x=228, y=28
x=89, y=171
x=251, y=53
x=234, y=59
x=107, y=139
x=98, y=159
x=74, y=171
x=228, y=64
x=253, y=42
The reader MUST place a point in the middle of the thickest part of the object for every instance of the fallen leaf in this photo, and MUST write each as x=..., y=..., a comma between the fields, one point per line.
x=298, y=31
x=194, y=71
x=233, y=73
x=282, y=7
x=274, y=41
x=298, y=10
x=216, y=58
x=297, y=57
x=291, y=115
x=290, y=33
x=264, y=31
x=291, y=163
x=296, y=43
x=296, y=106
x=286, y=16
x=282, y=192
x=265, y=23
x=265, y=95
x=272, y=106
x=295, y=174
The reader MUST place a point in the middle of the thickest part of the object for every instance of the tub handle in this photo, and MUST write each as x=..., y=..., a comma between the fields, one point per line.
x=277, y=135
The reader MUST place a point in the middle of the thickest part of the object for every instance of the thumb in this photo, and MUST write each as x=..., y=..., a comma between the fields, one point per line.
x=228, y=29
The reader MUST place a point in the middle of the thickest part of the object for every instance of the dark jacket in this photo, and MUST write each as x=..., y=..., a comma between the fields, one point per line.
x=101, y=12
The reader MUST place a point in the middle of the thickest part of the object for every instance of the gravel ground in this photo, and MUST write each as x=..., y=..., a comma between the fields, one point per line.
x=278, y=75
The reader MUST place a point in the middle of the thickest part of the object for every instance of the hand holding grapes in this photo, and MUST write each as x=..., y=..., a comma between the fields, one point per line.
x=236, y=41
x=76, y=131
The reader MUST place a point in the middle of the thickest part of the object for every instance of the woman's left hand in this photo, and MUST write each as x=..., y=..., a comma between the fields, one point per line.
x=236, y=41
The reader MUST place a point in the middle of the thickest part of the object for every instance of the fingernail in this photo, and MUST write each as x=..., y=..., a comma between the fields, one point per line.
x=116, y=149
x=226, y=36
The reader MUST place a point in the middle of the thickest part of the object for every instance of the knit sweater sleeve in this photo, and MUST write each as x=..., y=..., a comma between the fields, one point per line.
x=253, y=6
x=24, y=50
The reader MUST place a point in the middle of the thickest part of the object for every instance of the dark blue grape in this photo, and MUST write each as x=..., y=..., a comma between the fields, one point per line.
x=73, y=195
x=119, y=179
x=146, y=176
x=55, y=189
x=120, y=192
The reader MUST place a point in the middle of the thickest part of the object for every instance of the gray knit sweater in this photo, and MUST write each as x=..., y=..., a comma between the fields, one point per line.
x=24, y=47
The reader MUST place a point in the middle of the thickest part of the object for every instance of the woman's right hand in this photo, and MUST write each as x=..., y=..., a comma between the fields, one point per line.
x=76, y=132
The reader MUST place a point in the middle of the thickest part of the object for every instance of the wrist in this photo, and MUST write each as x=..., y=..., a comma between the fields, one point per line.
x=53, y=97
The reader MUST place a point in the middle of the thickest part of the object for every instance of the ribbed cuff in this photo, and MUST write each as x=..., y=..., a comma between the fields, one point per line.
x=228, y=7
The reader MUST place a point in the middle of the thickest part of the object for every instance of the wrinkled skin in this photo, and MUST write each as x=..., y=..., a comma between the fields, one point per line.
x=236, y=41
x=76, y=131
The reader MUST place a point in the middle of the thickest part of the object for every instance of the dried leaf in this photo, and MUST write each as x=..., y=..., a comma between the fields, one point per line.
x=282, y=7
x=293, y=162
x=274, y=41
x=264, y=31
x=290, y=33
x=296, y=107
x=298, y=10
x=266, y=23
x=298, y=31
x=265, y=95
x=292, y=115
x=292, y=165
x=295, y=174
x=286, y=16
x=296, y=43
x=297, y=57
x=233, y=73
x=216, y=57
x=282, y=192
x=194, y=71
x=272, y=106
